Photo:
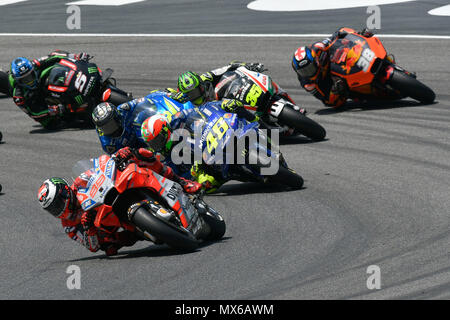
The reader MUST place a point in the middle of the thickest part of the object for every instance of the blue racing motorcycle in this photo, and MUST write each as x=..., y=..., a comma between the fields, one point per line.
x=231, y=148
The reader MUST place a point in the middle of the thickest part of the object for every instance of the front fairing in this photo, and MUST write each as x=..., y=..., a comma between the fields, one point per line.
x=100, y=176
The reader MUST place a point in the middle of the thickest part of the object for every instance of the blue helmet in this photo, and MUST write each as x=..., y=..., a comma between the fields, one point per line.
x=23, y=72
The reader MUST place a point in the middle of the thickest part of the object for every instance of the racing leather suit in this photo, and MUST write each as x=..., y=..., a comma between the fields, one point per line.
x=133, y=113
x=95, y=239
x=329, y=89
x=199, y=172
x=32, y=101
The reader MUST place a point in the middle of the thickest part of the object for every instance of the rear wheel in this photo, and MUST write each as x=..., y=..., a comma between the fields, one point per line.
x=170, y=234
x=411, y=87
x=302, y=124
x=4, y=83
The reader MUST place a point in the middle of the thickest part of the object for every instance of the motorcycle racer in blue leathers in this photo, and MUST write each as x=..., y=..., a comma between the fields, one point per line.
x=120, y=126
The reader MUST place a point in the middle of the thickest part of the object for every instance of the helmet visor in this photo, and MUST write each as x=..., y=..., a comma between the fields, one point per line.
x=196, y=96
x=307, y=70
x=28, y=79
x=61, y=202
x=158, y=143
x=111, y=128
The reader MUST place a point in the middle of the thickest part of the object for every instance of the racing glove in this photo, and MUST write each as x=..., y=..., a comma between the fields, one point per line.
x=87, y=221
x=235, y=106
x=231, y=105
x=207, y=77
x=83, y=56
x=124, y=154
x=56, y=110
x=366, y=33
x=188, y=185
x=179, y=96
x=257, y=67
x=339, y=87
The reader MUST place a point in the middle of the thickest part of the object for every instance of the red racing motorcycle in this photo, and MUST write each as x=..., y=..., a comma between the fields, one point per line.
x=139, y=200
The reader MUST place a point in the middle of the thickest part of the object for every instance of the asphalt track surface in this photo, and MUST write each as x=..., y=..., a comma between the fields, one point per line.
x=376, y=191
x=219, y=16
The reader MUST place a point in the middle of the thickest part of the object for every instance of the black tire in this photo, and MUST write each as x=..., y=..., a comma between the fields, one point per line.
x=117, y=98
x=304, y=125
x=286, y=177
x=216, y=224
x=411, y=87
x=174, y=237
x=4, y=83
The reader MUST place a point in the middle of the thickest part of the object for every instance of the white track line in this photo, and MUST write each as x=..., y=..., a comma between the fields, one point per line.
x=298, y=5
x=441, y=11
x=104, y=2
x=7, y=2
x=203, y=35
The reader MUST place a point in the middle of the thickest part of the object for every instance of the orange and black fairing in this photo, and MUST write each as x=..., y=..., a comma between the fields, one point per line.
x=353, y=57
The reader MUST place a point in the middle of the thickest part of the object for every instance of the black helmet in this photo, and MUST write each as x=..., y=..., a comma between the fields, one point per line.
x=107, y=119
x=56, y=197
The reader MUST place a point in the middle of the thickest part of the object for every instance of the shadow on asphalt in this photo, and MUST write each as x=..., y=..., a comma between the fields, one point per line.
x=68, y=127
x=373, y=105
x=299, y=139
x=244, y=188
x=151, y=251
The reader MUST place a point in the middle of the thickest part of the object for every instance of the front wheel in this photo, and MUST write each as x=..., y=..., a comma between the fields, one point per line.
x=4, y=83
x=286, y=177
x=302, y=124
x=215, y=222
x=170, y=234
x=411, y=87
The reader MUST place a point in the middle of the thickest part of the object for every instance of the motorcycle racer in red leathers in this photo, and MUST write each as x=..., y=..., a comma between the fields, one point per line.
x=60, y=200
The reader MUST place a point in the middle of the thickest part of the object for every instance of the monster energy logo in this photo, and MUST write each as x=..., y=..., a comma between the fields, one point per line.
x=79, y=99
x=57, y=180
x=92, y=70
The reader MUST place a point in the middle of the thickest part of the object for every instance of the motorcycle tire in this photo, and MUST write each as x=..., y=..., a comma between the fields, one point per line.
x=216, y=224
x=302, y=124
x=117, y=98
x=4, y=83
x=173, y=236
x=411, y=87
x=287, y=177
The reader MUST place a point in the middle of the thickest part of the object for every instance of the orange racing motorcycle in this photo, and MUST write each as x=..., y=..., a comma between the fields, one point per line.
x=371, y=73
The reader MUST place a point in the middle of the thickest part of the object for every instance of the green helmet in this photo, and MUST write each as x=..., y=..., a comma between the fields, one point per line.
x=193, y=87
